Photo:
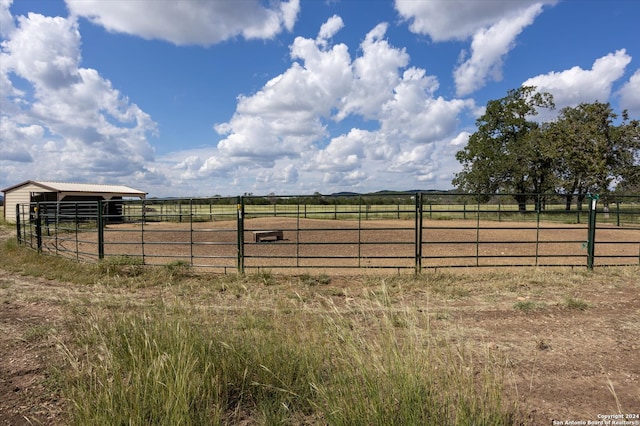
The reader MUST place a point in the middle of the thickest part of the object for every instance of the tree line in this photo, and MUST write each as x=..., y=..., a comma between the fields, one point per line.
x=585, y=149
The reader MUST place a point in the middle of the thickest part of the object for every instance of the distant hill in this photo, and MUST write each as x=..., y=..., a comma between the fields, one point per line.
x=386, y=192
x=344, y=194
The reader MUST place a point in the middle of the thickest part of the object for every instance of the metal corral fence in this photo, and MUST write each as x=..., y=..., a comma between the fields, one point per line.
x=393, y=231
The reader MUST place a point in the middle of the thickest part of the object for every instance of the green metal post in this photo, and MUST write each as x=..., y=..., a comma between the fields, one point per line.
x=38, y=229
x=100, y=231
x=18, y=224
x=144, y=208
x=76, y=230
x=418, y=231
x=360, y=230
x=191, y=231
x=240, y=234
x=538, y=201
x=478, y=234
x=591, y=233
x=298, y=230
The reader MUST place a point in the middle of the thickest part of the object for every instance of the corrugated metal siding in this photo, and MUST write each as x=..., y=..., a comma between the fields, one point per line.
x=19, y=195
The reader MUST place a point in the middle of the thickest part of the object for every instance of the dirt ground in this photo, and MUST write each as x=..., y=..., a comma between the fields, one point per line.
x=349, y=244
x=565, y=363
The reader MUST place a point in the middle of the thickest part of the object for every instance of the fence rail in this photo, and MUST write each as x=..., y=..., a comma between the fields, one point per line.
x=391, y=231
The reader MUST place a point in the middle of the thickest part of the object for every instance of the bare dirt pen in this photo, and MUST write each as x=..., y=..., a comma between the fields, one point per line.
x=567, y=338
x=320, y=243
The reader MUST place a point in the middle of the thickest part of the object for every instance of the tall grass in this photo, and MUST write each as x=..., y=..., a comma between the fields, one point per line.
x=310, y=366
x=169, y=346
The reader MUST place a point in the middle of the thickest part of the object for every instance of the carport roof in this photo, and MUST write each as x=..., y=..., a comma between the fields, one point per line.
x=89, y=188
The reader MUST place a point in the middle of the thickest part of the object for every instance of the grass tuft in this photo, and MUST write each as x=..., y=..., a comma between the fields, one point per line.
x=178, y=268
x=577, y=304
x=528, y=305
x=37, y=333
x=266, y=277
x=312, y=280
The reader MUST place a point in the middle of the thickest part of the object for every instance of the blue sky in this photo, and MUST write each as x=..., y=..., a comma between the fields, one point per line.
x=226, y=97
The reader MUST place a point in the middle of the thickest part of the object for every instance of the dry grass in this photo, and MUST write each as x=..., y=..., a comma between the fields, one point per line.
x=265, y=348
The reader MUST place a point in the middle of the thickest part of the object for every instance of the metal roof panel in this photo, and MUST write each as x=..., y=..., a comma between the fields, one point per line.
x=81, y=187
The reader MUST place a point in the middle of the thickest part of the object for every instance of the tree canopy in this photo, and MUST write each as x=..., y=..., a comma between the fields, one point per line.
x=583, y=150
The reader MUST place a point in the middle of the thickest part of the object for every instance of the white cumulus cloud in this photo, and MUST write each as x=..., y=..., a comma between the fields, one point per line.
x=488, y=48
x=69, y=118
x=283, y=126
x=576, y=85
x=330, y=28
x=190, y=21
x=375, y=75
x=6, y=20
x=492, y=25
x=630, y=94
x=458, y=19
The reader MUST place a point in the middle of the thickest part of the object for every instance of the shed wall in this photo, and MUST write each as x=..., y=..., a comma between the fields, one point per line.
x=20, y=195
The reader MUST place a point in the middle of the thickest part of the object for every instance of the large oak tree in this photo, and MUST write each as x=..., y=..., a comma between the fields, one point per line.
x=508, y=152
x=593, y=152
x=582, y=151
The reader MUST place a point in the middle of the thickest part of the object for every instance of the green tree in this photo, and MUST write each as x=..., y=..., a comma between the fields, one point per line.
x=629, y=179
x=509, y=152
x=593, y=151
